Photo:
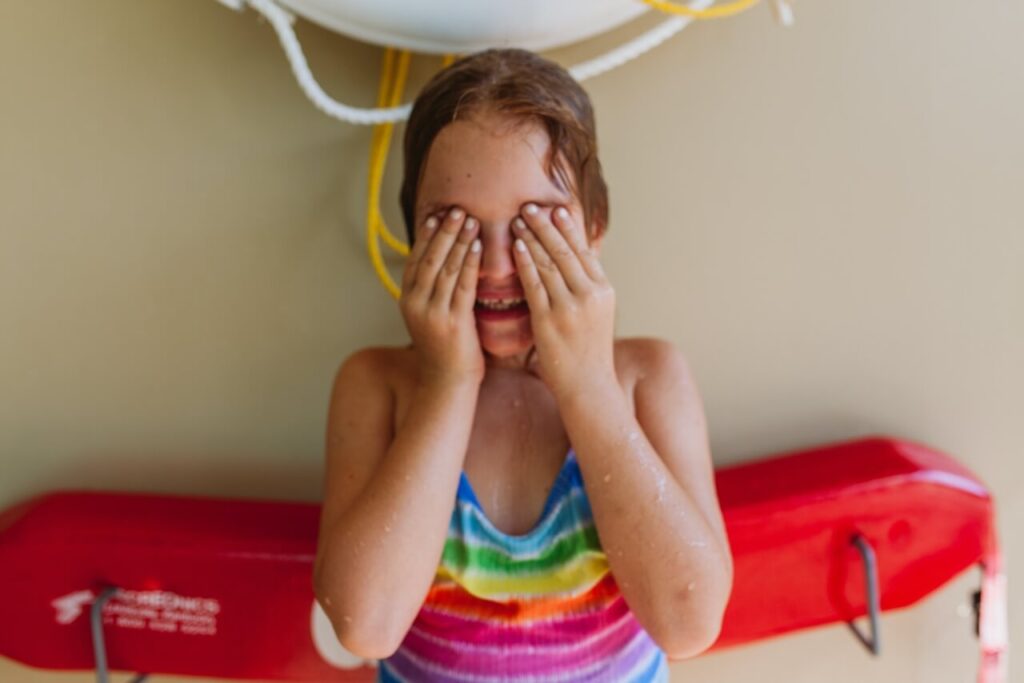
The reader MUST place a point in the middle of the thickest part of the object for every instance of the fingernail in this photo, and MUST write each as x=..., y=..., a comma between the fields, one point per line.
x=530, y=208
x=475, y=247
x=562, y=213
x=469, y=224
x=519, y=223
x=520, y=245
x=431, y=223
x=456, y=214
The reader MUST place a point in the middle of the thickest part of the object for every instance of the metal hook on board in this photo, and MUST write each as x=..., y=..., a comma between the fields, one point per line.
x=872, y=641
x=98, y=645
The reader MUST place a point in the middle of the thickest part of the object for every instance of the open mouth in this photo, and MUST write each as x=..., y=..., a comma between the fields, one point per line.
x=501, y=309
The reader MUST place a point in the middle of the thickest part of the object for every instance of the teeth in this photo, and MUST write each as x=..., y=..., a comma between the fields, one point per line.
x=498, y=304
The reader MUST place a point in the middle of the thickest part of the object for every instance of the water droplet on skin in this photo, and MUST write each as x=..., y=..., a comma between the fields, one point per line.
x=327, y=601
x=387, y=528
x=347, y=618
x=690, y=586
x=407, y=477
x=607, y=478
x=697, y=544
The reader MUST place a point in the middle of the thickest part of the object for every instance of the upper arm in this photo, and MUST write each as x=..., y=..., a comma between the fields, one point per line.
x=359, y=426
x=670, y=411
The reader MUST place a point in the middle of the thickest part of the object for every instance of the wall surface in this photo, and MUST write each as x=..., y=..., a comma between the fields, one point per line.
x=827, y=219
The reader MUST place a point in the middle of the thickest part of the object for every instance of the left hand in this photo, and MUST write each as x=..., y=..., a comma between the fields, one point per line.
x=572, y=304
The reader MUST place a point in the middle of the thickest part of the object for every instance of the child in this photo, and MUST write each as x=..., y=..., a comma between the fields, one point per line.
x=586, y=541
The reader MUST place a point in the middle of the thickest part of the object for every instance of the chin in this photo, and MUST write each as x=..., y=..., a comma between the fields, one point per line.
x=505, y=341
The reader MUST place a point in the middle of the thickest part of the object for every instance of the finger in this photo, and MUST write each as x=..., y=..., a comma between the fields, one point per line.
x=464, y=297
x=536, y=293
x=557, y=248
x=573, y=232
x=449, y=273
x=424, y=231
x=437, y=251
x=546, y=267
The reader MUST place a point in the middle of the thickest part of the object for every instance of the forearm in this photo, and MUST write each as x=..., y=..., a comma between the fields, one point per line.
x=669, y=565
x=383, y=552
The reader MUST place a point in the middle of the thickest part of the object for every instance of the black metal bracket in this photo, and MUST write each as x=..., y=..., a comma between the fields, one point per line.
x=872, y=641
x=98, y=646
x=976, y=609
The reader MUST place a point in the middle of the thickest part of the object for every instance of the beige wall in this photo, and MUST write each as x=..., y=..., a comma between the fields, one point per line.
x=827, y=219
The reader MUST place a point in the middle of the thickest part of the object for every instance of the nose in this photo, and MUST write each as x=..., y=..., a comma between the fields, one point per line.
x=496, y=260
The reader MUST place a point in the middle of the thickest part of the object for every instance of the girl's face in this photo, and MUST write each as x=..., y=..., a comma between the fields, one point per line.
x=491, y=165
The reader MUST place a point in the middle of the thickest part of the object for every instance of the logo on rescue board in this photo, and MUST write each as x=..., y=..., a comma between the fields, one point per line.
x=164, y=611
x=155, y=610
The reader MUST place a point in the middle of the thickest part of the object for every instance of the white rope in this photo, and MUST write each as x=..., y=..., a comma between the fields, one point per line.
x=282, y=20
x=636, y=47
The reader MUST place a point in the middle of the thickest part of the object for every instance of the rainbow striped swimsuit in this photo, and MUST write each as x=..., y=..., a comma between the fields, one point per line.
x=542, y=606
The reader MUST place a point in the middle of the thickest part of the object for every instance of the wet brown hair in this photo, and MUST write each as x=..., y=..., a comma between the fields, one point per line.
x=528, y=87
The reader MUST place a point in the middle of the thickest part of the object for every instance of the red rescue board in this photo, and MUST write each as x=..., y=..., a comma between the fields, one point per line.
x=223, y=587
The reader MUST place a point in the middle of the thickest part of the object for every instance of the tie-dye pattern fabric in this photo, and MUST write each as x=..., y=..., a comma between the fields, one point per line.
x=536, y=607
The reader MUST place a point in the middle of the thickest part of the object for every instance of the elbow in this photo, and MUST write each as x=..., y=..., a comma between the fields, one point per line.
x=357, y=634
x=699, y=630
x=356, y=638
x=364, y=644
x=689, y=643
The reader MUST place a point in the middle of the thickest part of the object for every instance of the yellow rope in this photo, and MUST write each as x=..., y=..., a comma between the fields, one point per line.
x=709, y=13
x=389, y=92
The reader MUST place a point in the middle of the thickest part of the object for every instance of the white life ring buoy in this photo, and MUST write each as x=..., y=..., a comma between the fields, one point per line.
x=465, y=26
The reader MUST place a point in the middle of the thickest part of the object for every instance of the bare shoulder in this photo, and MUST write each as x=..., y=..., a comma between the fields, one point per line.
x=379, y=369
x=376, y=366
x=378, y=358
x=638, y=359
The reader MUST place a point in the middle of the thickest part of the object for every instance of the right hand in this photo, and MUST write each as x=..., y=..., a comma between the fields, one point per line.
x=438, y=295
